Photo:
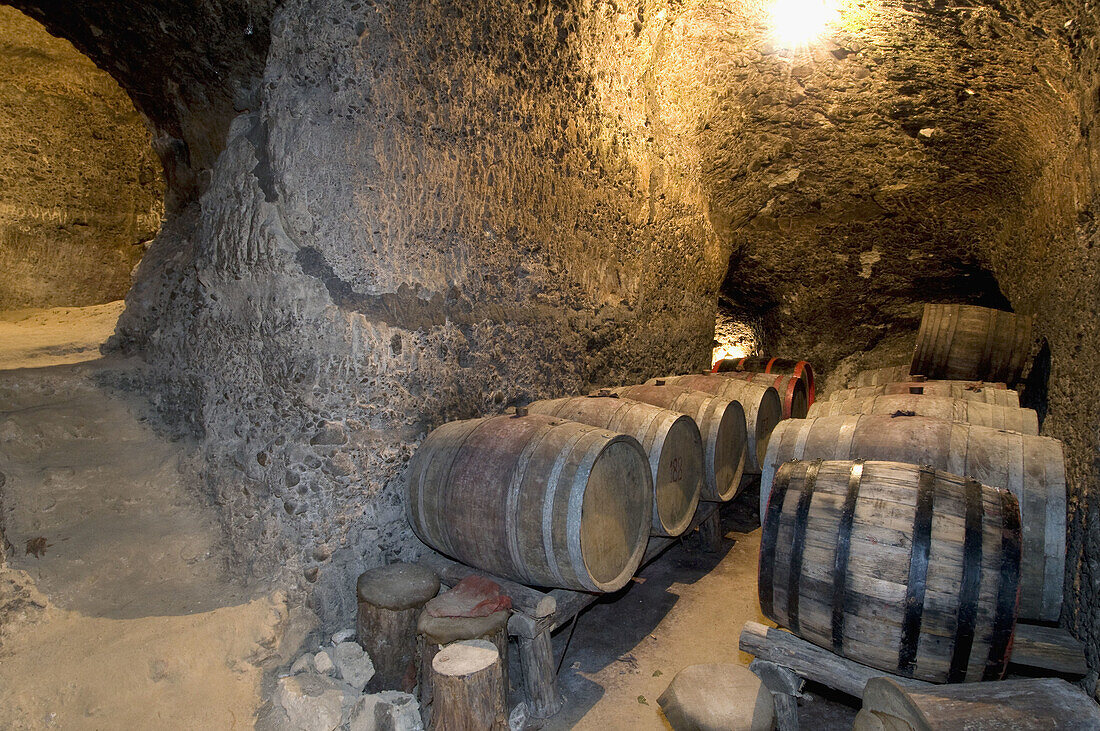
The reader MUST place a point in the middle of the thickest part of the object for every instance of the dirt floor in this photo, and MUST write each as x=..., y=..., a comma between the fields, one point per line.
x=116, y=612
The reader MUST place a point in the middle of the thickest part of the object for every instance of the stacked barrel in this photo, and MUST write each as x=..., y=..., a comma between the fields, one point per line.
x=566, y=492
x=910, y=520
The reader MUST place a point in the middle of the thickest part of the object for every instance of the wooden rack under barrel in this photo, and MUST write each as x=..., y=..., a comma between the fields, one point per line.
x=536, y=614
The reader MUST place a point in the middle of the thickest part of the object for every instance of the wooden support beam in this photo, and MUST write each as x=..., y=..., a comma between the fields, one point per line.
x=524, y=599
x=809, y=660
x=785, y=687
x=1048, y=648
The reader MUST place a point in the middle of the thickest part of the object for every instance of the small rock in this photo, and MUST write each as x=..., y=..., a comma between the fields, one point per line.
x=304, y=664
x=344, y=635
x=389, y=710
x=322, y=661
x=719, y=696
x=353, y=664
x=517, y=719
x=311, y=702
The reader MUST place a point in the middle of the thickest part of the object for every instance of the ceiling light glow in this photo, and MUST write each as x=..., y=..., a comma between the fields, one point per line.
x=800, y=22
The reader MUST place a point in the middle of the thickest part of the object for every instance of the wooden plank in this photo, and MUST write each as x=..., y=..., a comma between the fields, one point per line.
x=808, y=660
x=1048, y=648
x=1019, y=705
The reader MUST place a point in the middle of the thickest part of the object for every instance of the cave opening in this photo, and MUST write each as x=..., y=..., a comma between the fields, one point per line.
x=81, y=196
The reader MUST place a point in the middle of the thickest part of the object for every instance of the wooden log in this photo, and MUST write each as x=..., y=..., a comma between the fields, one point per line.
x=1048, y=648
x=763, y=408
x=468, y=683
x=785, y=687
x=964, y=341
x=989, y=393
x=538, y=500
x=1031, y=467
x=524, y=598
x=907, y=569
x=437, y=632
x=807, y=659
x=764, y=364
x=1024, y=421
x=540, y=676
x=390, y=599
x=1009, y=705
x=721, y=425
x=670, y=439
x=792, y=390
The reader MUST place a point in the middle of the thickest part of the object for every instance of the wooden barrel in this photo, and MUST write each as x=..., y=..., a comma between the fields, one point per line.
x=969, y=390
x=763, y=409
x=792, y=390
x=721, y=424
x=1031, y=468
x=880, y=376
x=670, y=438
x=538, y=500
x=904, y=568
x=964, y=341
x=764, y=364
x=1025, y=421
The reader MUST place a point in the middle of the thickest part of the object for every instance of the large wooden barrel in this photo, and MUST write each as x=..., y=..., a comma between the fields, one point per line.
x=792, y=389
x=880, y=376
x=1025, y=421
x=721, y=424
x=763, y=409
x=764, y=364
x=964, y=341
x=903, y=568
x=539, y=500
x=990, y=393
x=1032, y=468
x=670, y=438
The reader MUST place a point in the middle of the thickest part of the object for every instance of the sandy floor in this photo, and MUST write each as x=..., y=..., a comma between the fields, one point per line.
x=115, y=609
x=38, y=338
x=685, y=608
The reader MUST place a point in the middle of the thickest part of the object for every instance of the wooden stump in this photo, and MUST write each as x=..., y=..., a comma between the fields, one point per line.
x=468, y=683
x=540, y=676
x=390, y=600
x=436, y=632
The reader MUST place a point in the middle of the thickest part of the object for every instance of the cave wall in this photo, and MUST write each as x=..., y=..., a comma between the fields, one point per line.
x=925, y=152
x=425, y=213
x=80, y=188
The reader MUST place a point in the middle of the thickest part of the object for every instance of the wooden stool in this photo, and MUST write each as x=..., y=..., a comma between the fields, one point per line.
x=469, y=688
x=390, y=600
x=435, y=632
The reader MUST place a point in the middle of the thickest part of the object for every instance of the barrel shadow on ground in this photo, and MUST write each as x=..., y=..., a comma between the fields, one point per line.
x=610, y=629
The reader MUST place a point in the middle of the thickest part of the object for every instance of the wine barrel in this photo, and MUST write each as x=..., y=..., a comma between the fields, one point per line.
x=764, y=364
x=1025, y=421
x=792, y=389
x=763, y=409
x=964, y=341
x=989, y=393
x=538, y=500
x=721, y=425
x=670, y=438
x=880, y=376
x=907, y=569
x=1031, y=468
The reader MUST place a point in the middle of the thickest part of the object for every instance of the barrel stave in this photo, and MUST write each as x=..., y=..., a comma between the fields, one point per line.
x=721, y=425
x=1025, y=421
x=538, y=500
x=877, y=574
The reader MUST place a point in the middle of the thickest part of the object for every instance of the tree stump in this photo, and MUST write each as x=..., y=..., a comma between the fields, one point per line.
x=468, y=686
x=436, y=632
x=390, y=600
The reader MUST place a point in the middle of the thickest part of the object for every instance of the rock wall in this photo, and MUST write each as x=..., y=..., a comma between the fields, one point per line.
x=428, y=213
x=80, y=188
